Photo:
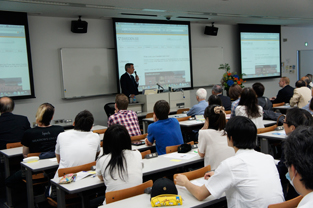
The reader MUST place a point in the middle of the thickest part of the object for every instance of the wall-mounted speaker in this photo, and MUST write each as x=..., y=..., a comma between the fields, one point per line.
x=210, y=30
x=79, y=26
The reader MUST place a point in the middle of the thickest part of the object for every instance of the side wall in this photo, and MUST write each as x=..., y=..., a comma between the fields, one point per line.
x=49, y=34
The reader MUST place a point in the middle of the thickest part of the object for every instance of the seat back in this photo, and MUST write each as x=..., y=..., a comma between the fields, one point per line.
x=228, y=112
x=143, y=154
x=99, y=131
x=114, y=196
x=109, y=109
x=75, y=169
x=267, y=129
x=33, y=154
x=179, y=111
x=149, y=115
x=292, y=203
x=194, y=174
x=174, y=148
x=13, y=145
x=183, y=118
x=139, y=137
x=278, y=104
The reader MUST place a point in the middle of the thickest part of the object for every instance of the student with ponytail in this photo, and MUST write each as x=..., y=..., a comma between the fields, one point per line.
x=212, y=139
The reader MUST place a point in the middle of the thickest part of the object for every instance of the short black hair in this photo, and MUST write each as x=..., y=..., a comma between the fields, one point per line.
x=297, y=117
x=6, y=105
x=84, y=121
x=300, y=83
x=161, y=109
x=243, y=132
x=311, y=104
x=258, y=88
x=215, y=99
x=128, y=65
x=298, y=152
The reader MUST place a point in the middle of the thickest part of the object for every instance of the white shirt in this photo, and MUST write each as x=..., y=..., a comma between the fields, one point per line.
x=249, y=179
x=307, y=201
x=214, y=145
x=258, y=121
x=77, y=147
x=132, y=178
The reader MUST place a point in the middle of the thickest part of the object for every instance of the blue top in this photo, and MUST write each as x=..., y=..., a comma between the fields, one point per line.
x=198, y=109
x=165, y=133
x=307, y=107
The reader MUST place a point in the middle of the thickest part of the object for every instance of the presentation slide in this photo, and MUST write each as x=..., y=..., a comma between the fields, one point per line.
x=260, y=54
x=160, y=53
x=14, y=67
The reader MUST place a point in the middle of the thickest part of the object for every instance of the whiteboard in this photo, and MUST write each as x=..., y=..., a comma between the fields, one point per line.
x=305, y=63
x=205, y=64
x=88, y=72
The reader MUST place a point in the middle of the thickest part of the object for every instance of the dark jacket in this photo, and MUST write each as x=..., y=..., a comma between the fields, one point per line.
x=284, y=95
x=265, y=103
x=128, y=85
x=12, y=128
x=225, y=102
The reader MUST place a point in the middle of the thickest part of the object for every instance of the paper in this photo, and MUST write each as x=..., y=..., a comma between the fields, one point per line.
x=175, y=160
x=84, y=174
x=199, y=181
x=184, y=156
x=53, y=159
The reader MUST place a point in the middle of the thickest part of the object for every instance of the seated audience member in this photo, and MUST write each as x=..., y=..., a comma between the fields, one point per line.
x=43, y=137
x=264, y=102
x=299, y=154
x=234, y=94
x=199, y=108
x=214, y=100
x=307, y=81
x=217, y=90
x=295, y=117
x=310, y=79
x=119, y=167
x=212, y=138
x=248, y=107
x=249, y=179
x=122, y=116
x=164, y=131
x=12, y=127
x=309, y=107
x=301, y=95
x=285, y=93
x=80, y=145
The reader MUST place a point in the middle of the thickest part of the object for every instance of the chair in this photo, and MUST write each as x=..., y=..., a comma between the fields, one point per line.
x=75, y=169
x=195, y=173
x=270, y=128
x=143, y=154
x=33, y=154
x=228, y=112
x=99, y=131
x=278, y=104
x=13, y=145
x=109, y=109
x=179, y=111
x=174, y=148
x=114, y=196
x=292, y=203
x=139, y=137
x=183, y=118
x=149, y=115
x=73, y=197
x=101, y=144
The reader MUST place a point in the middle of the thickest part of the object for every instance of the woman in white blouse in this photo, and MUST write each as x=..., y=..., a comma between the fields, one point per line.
x=212, y=138
x=248, y=107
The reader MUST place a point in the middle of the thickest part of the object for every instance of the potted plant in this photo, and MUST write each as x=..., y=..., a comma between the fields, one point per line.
x=230, y=78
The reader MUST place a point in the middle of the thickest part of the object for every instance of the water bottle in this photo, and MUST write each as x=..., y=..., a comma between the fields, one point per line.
x=134, y=99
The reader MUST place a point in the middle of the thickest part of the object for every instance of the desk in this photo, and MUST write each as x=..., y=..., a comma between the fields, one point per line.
x=271, y=135
x=36, y=167
x=6, y=155
x=154, y=165
x=143, y=201
x=147, y=121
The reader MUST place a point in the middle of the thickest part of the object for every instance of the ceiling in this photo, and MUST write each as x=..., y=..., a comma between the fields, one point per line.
x=275, y=12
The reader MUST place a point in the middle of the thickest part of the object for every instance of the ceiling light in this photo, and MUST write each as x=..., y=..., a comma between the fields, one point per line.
x=42, y=2
x=153, y=10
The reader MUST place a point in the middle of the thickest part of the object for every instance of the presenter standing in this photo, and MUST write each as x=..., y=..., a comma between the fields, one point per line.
x=129, y=84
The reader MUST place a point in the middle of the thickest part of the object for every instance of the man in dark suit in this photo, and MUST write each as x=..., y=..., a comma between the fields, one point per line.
x=12, y=127
x=217, y=90
x=129, y=84
x=284, y=94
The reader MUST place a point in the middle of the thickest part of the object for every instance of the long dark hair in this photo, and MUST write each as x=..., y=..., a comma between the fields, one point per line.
x=249, y=99
x=216, y=116
x=115, y=140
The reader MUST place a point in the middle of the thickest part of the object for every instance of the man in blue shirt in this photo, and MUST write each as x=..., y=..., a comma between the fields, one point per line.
x=164, y=131
x=199, y=108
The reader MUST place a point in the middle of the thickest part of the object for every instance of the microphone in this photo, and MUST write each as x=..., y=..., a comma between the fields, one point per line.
x=160, y=86
x=183, y=92
x=135, y=73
